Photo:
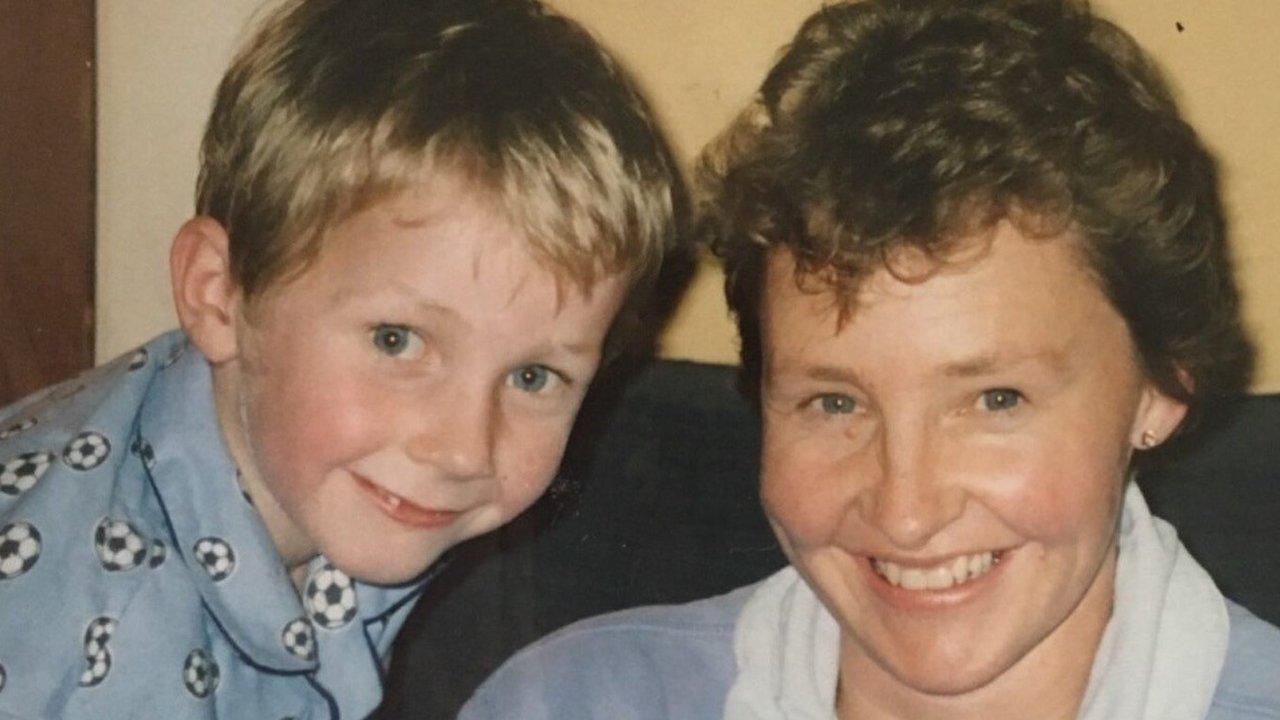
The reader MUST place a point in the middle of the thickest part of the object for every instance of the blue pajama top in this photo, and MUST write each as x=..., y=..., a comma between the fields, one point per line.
x=138, y=581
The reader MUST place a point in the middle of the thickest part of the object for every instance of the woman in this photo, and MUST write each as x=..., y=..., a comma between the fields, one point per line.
x=979, y=268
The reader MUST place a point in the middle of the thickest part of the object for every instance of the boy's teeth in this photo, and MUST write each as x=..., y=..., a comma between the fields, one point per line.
x=390, y=498
x=953, y=572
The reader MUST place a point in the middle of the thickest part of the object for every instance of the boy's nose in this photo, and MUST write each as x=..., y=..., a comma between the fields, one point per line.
x=908, y=498
x=456, y=438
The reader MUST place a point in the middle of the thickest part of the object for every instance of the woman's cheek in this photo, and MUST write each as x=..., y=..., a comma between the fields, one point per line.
x=804, y=496
x=1051, y=497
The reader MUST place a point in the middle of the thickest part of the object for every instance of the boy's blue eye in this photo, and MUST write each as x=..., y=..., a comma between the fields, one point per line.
x=530, y=378
x=392, y=340
x=998, y=399
x=835, y=404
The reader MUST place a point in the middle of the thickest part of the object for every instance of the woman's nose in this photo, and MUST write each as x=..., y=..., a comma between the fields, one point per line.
x=909, y=497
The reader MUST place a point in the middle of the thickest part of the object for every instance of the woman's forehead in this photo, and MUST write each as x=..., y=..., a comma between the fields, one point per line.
x=1016, y=297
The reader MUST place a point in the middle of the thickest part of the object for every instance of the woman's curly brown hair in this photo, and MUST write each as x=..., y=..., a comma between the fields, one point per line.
x=918, y=123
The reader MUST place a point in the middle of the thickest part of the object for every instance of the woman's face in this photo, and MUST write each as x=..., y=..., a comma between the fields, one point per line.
x=945, y=465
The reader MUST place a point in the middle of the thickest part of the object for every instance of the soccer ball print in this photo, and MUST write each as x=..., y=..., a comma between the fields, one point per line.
x=19, y=549
x=21, y=473
x=330, y=598
x=299, y=638
x=99, y=667
x=17, y=427
x=96, y=637
x=119, y=545
x=200, y=673
x=86, y=451
x=216, y=557
x=157, y=554
x=144, y=451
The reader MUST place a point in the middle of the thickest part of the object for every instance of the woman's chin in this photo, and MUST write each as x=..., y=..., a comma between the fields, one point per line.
x=932, y=668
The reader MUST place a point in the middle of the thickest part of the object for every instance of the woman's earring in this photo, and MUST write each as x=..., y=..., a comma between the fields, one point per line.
x=1148, y=440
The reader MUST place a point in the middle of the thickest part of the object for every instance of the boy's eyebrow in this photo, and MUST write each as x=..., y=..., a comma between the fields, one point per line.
x=343, y=295
x=410, y=221
x=582, y=348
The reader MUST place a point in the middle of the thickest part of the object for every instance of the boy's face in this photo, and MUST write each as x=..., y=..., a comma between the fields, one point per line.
x=413, y=388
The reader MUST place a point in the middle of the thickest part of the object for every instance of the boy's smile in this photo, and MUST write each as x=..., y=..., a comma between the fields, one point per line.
x=412, y=388
x=405, y=511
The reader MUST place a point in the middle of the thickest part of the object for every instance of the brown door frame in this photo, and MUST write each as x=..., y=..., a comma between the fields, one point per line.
x=47, y=62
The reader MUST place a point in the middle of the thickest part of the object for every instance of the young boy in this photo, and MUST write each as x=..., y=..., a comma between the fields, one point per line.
x=417, y=222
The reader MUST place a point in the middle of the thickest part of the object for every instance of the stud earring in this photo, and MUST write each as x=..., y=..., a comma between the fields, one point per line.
x=1148, y=440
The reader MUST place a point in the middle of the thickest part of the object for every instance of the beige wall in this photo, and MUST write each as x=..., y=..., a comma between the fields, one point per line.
x=158, y=64
x=699, y=61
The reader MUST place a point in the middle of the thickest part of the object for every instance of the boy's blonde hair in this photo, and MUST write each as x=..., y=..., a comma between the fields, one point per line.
x=336, y=104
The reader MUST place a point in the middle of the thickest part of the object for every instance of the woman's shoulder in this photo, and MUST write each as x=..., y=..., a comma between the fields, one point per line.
x=1249, y=686
x=625, y=664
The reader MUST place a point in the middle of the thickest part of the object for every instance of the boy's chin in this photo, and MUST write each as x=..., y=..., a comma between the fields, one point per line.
x=383, y=568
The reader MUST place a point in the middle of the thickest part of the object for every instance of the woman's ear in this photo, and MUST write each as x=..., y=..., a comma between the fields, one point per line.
x=1158, y=417
x=204, y=294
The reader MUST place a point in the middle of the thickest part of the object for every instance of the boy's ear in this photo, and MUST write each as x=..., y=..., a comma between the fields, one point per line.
x=204, y=294
x=1158, y=417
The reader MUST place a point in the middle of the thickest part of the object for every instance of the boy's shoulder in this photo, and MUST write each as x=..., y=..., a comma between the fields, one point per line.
x=65, y=444
x=108, y=395
x=62, y=444
x=1249, y=686
x=75, y=532
x=672, y=660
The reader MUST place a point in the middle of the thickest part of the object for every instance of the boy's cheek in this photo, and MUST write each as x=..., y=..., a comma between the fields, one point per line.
x=293, y=426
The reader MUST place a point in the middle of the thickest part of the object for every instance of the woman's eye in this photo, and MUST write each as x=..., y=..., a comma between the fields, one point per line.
x=393, y=340
x=531, y=378
x=836, y=404
x=999, y=399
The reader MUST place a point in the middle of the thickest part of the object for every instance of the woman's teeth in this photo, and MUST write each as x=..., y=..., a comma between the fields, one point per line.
x=953, y=572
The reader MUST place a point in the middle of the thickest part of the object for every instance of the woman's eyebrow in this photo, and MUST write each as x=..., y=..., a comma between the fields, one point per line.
x=795, y=370
x=1053, y=358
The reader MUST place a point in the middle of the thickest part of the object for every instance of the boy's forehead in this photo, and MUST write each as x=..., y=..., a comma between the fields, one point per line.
x=444, y=220
x=436, y=209
x=457, y=200
x=437, y=193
